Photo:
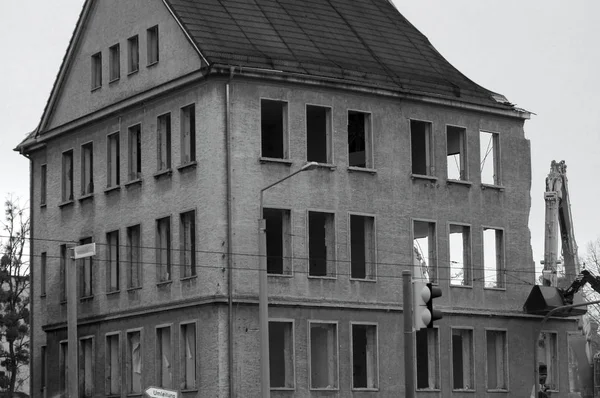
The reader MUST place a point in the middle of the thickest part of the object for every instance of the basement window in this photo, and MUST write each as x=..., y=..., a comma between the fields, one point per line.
x=424, y=251
x=188, y=134
x=359, y=140
x=188, y=353
x=362, y=247
x=113, y=161
x=85, y=269
x=96, y=71
x=133, y=54
x=318, y=134
x=462, y=360
x=365, y=372
x=86, y=367
x=134, y=362
x=279, y=241
x=456, y=150
x=114, y=61
x=113, y=365
x=188, y=243
x=163, y=135
x=152, y=42
x=497, y=360
x=281, y=354
x=489, y=158
x=321, y=244
x=460, y=255
x=493, y=258
x=274, y=129
x=67, y=176
x=164, y=359
x=113, y=263
x=135, y=152
x=87, y=169
x=323, y=356
x=163, y=249
x=421, y=143
x=427, y=359
x=548, y=359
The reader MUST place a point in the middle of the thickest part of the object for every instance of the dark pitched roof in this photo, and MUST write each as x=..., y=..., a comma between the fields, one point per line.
x=361, y=41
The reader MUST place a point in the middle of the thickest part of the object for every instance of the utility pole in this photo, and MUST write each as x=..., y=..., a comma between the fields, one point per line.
x=71, y=276
x=407, y=310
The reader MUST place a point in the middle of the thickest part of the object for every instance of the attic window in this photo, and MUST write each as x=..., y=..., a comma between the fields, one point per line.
x=152, y=42
x=421, y=148
x=318, y=134
x=96, y=71
x=273, y=129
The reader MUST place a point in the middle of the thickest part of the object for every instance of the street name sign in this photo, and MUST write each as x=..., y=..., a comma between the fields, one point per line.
x=155, y=392
x=83, y=251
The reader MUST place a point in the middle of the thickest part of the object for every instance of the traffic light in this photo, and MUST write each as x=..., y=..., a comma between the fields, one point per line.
x=423, y=312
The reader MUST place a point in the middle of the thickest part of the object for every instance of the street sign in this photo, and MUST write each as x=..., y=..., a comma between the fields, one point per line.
x=83, y=251
x=155, y=392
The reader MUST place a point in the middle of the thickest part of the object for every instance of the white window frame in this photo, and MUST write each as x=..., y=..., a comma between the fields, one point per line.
x=377, y=369
x=334, y=250
x=337, y=353
x=469, y=284
x=472, y=359
x=293, y=353
x=373, y=277
x=505, y=353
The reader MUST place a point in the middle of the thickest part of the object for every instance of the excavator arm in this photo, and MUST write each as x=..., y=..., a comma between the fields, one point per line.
x=583, y=278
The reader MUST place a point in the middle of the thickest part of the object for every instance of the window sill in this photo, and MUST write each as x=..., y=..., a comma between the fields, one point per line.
x=362, y=170
x=133, y=289
x=112, y=189
x=368, y=280
x=463, y=390
x=43, y=295
x=113, y=293
x=189, y=165
x=329, y=166
x=133, y=72
x=282, y=388
x=86, y=298
x=282, y=275
x=366, y=389
x=189, y=278
x=152, y=64
x=135, y=394
x=500, y=289
x=497, y=390
x=428, y=390
x=133, y=182
x=86, y=197
x=286, y=162
x=459, y=182
x=115, y=80
x=164, y=283
x=96, y=88
x=67, y=203
x=423, y=177
x=324, y=389
x=42, y=205
x=163, y=173
x=462, y=286
x=492, y=186
x=188, y=390
x=321, y=277
x=63, y=302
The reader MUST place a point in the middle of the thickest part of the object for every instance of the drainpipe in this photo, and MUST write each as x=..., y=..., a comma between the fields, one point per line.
x=229, y=228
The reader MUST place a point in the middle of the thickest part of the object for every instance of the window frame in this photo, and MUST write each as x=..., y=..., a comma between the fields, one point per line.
x=63, y=253
x=181, y=352
x=111, y=163
x=81, y=365
x=435, y=279
x=138, y=152
x=129, y=362
x=329, y=149
x=82, y=274
x=108, y=363
x=500, y=271
x=430, y=163
x=114, y=63
x=287, y=258
x=438, y=359
x=194, y=246
x=557, y=354
x=193, y=130
x=369, y=141
x=473, y=368
x=373, y=277
x=377, y=370
x=152, y=45
x=464, y=155
x=167, y=136
x=130, y=285
x=110, y=289
x=169, y=242
x=67, y=183
x=133, y=43
x=63, y=365
x=334, y=250
x=43, y=273
x=293, y=360
x=285, y=130
x=87, y=148
x=470, y=270
x=43, y=184
x=337, y=354
x=96, y=71
x=497, y=164
x=506, y=360
x=158, y=368
x=44, y=369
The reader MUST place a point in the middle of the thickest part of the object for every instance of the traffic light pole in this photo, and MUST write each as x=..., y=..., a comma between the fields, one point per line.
x=407, y=310
x=71, y=276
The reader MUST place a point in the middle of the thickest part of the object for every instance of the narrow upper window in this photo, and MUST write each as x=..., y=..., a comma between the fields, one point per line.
x=43, y=271
x=460, y=255
x=134, y=256
x=86, y=367
x=113, y=365
x=321, y=244
x=163, y=135
x=63, y=354
x=360, y=140
x=87, y=169
x=362, y=247
x=152, y=41
x=188, y=243
x=425, y=251
x=163, y=249
x=63, y=272
x=134, y=362
x=113, y=263
x=133, y=54
x=43, y=184
x=281, y=354
x=279, y=246
x=323, y=356
x=67, y=176
x=96, y=71
x=114, y=60
x=489, y=158
x=318, y=134
x=135, y=152
x=113, y=161
x=273, y=129
x=428, y=359
x=456, y=156
x=164, y=357
x=365, y=373
x=85, y=272
x=548, y=359
x=421, y=145
x=188, y=134
x=497, y=360
x=462, y=360
x=188, y=356
x=493, y=257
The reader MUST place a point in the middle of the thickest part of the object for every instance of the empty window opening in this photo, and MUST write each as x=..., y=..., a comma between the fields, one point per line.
x=96, y=71
x=112, y=265
x=421, y=147
x=273, y=129
x=135, y=152
x=462, y=359
x=133, y=54
x=188, y=353
x=323, y=356
x=85, y=272
x=134, y=362
x=359, y=139
x=114, y=60
x=548, y=360
x=460, y=255
x=489, y=158
x=188, y=243
x=152, y=42
x=362, y=247
x=424, y=251
x=113, y=365
x=493, y=257
x=163, y=250
x=86, y=371
x=321, y=244
x=456, y=159
x=364, y=356
x=43, y=259
x=63, y=272
x=281, y=354
x=43, y=369
x=63, y=365
x=113, y=160
x=188, y=134
x=497, y=360
x=67, y=176
x=43, y=184
x=87, y=169
x=428, y=359
x=134, y=255
x=164, y=357
x=163, y=134
x=279, y=241
x=318, y=134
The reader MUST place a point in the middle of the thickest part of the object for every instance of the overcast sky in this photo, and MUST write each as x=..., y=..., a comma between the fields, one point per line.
x=543, y=55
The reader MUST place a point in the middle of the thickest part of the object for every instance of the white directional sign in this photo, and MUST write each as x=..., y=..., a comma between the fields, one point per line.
x=83, y=251
x=155, y=392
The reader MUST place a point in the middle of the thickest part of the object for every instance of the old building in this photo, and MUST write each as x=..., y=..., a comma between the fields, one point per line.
x=167, y=119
